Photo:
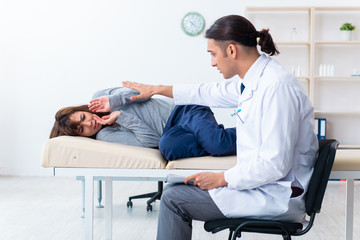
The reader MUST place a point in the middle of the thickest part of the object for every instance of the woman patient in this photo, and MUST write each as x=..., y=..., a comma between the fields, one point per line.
x=178, y=131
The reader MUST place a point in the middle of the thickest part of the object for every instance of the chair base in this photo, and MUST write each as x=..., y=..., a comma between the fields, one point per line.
x=238, y=225
x=153, y=197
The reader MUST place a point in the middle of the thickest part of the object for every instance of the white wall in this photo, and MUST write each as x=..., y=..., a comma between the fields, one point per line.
x=57, y=53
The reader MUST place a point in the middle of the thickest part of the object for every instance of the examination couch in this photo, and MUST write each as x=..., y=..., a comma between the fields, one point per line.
x=79, y=156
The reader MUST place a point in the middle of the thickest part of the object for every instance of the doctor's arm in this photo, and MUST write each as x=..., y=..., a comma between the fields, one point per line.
x=223, y=94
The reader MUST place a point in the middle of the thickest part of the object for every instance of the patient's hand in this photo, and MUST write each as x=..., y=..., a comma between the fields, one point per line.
x=100, y=104
x=108, y=119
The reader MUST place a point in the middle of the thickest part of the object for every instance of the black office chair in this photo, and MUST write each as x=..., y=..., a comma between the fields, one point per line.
x=313, y=200
x=153, y=197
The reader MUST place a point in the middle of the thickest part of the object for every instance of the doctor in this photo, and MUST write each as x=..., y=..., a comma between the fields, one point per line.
x=276, y=144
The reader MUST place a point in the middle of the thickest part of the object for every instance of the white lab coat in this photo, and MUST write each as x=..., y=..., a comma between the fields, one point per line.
x=276, y=143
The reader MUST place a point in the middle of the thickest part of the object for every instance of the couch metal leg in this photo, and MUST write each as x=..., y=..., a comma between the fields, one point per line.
x=109, y=207
x=349, y=215
x=89, y=207
x=83, y=197
x=99, y=198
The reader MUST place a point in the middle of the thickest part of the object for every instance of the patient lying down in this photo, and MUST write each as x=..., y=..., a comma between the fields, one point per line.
x=178, y=131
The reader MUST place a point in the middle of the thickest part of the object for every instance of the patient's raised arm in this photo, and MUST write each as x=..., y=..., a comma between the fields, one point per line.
x=117, y=96
x=100, y=104
x=147, y=90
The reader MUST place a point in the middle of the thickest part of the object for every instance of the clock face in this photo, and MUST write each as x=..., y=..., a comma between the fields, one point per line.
x=193, y=24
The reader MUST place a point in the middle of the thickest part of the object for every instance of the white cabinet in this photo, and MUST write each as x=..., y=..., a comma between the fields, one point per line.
x=311, y=46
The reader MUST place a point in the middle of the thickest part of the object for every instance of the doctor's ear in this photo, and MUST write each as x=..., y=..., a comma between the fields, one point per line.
x=231, y=51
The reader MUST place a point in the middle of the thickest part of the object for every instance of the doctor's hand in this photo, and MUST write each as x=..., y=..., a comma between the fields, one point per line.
x=147, y=91
x=100, y=104
x=207, y=180
x=107, y=119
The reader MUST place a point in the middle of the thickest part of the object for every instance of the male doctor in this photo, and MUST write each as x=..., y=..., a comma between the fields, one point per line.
x=276, y=144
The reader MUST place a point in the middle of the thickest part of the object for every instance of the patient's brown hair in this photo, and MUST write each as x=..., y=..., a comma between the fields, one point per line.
x=63, y=126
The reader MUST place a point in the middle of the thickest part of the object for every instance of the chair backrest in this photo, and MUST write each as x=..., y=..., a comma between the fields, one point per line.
x=320, y=176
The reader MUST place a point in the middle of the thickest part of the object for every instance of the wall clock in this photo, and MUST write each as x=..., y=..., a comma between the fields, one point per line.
x=193, y=23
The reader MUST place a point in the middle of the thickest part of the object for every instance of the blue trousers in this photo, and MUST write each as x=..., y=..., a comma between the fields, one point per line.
x=192, y=131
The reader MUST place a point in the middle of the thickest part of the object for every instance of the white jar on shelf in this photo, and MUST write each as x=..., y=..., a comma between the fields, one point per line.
x=294, y=34
x=321, y=70
x=332, y=70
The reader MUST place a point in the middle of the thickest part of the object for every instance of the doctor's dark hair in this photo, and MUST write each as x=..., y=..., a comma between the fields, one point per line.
x=240, y=30
x=63, y=126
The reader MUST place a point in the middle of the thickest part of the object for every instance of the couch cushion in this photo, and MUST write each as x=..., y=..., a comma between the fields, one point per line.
x=208, y=162
x=82, y=152
x=347, y=160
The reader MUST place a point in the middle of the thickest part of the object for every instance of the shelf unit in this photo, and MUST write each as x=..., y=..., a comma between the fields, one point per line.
x=318, y=41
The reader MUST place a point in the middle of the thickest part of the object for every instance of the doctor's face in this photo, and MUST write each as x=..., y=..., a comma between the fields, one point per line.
x=219, y=60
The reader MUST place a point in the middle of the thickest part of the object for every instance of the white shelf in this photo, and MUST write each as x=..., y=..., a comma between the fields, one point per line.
x=336, y=9
x=337, y=43
x=319, y=42
x=342, y=112
x=277, y=9
x=306, y=44
x=337, y=78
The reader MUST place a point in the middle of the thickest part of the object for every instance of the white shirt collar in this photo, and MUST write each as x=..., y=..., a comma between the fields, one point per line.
x=252, y=76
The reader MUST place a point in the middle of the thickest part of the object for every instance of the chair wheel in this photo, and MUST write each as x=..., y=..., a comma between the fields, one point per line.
x=149, y=208
x=129, y=204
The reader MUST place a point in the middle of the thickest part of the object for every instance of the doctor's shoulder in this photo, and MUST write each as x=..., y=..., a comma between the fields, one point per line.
x=276, y=73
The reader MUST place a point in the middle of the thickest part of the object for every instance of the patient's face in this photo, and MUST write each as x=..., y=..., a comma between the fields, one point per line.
x=87, y=125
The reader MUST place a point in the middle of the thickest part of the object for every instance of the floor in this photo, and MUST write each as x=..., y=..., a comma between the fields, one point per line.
x=49, y=208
